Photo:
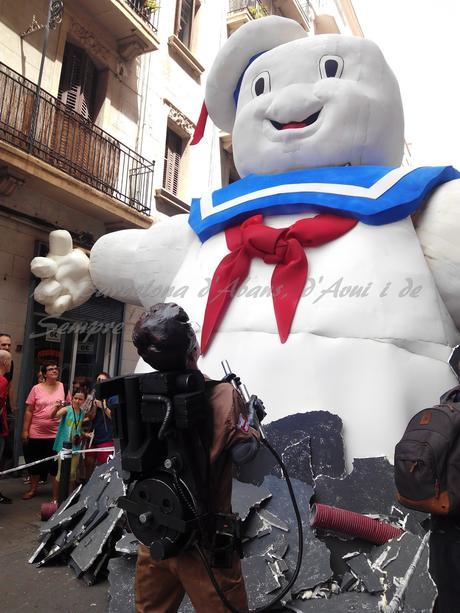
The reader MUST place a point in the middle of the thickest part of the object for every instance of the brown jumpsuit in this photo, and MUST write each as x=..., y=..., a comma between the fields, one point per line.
x=160, y=586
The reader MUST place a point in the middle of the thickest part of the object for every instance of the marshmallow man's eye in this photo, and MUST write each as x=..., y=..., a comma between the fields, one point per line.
x=331, y=66
x=261, y=84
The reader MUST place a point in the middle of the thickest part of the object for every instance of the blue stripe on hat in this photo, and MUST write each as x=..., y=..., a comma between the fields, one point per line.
x=236, y=91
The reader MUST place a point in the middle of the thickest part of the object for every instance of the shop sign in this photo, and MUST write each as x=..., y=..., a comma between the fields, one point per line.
x=53, y=335
x=85, y=347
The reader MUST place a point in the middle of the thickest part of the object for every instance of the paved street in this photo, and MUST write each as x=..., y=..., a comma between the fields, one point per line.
x=25, y=587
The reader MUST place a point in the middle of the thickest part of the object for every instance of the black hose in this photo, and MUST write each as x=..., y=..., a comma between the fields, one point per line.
x=168, y=416
x=286, y=589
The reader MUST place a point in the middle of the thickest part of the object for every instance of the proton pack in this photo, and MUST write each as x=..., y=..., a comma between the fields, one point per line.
x=164, y=430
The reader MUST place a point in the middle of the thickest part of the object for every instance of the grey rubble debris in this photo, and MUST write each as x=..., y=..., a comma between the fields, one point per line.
x=344, y=603
x=372, y=578
x=128, y=544
x=336, y=575
x=368, y=489
x=246, y=496
x=393, y=559
x=82, y=530
x=310, y=444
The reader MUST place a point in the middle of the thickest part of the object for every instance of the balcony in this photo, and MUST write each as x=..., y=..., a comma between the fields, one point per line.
x=148, y=11
x=242, y=11
x=299, y=10
x=133, y=24
x=65, y=156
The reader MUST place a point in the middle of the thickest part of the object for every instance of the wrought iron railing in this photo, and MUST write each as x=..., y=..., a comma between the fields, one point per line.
x=64, y=139
x=257, y=8
x=148, y=10
x=254, y=7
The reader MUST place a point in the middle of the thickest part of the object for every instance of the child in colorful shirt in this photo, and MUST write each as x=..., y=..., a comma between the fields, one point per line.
x=69, y=430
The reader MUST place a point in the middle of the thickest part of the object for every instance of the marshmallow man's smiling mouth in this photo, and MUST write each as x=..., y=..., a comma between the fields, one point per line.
x=295, y=125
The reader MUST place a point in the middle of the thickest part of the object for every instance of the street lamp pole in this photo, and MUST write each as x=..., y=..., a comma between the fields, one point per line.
x=55, y=11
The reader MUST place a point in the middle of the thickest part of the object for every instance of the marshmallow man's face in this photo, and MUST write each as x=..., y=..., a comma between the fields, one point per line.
x=319, y=101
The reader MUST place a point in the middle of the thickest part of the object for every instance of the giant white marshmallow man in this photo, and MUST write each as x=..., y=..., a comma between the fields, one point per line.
x=350, y=310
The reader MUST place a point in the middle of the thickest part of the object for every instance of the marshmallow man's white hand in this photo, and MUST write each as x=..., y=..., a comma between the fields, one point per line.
x=66, y=282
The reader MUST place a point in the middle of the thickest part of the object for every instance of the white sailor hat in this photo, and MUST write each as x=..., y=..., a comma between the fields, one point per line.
x=227, y=71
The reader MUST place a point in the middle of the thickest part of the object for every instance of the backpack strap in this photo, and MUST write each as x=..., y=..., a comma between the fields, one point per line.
x=210, y=384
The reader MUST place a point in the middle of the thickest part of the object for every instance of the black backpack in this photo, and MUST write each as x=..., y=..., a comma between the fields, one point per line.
x=427, y=459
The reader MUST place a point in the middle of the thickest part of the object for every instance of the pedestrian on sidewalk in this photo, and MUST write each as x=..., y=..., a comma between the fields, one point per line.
x=5, y=345
x=5, y=365
x=8, y=453
x=444, y=562
x=40, y=428
x=101, y=418
x=70, y=429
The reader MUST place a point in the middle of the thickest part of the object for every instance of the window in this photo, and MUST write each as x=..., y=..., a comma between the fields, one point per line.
x=78, y=82
x=173, y=153
x=185, y=14
x=77, y=144
x=181, y=44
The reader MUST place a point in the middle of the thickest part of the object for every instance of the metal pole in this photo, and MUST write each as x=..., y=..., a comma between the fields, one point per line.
x=64, y=477
x=35, y=109
x=395, y=604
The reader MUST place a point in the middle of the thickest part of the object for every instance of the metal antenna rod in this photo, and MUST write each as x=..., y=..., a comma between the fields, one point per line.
x=235, y=381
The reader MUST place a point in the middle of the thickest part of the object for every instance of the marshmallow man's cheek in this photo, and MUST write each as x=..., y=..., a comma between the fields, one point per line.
x=364, y=121
x=248, y=134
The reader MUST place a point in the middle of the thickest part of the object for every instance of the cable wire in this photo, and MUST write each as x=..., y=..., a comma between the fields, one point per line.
x=286, y=589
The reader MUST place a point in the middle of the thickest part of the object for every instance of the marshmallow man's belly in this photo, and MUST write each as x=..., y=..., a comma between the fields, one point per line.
x=369, y=341
x=375, y=387
x=373, y=282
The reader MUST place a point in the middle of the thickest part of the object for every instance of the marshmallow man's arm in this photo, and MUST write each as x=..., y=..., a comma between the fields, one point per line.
x=438, y=228
x=125, y=265
x=129, y=264
x=112, y=264
x=69, y=277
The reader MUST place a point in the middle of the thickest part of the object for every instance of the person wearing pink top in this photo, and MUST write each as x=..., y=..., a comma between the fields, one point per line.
x=39, y=427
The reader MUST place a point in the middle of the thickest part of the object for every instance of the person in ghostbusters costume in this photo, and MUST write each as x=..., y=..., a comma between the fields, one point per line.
x=164, y=338
x=329, y=275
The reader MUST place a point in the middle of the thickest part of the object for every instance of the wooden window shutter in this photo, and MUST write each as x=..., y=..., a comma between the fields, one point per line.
x=173, y=154
x=177, y=19
x=77, y=84
x=81, y=150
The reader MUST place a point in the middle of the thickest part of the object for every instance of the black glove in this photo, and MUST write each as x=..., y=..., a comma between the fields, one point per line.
x=256, y=411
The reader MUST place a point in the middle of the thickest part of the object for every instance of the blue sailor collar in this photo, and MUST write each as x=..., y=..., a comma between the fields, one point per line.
x=375, y=195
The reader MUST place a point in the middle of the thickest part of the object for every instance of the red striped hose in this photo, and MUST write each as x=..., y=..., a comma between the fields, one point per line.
x=352, y=524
